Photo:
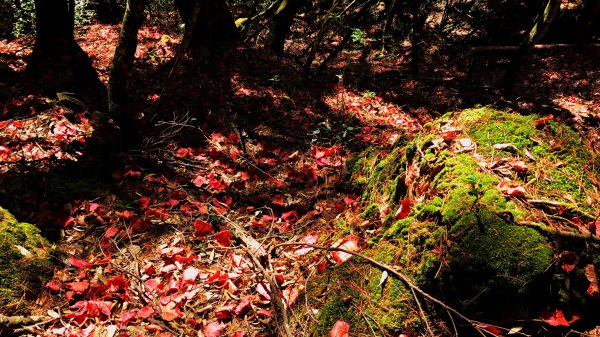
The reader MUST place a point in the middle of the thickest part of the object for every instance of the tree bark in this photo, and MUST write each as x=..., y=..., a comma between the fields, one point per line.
x=119, y=105
x=57, y=60
x=419, y=10
x=592, y=12
x=214, y=29
x=542, y=23
x=280, y=25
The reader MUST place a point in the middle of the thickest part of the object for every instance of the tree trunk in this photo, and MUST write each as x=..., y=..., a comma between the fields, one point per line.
x=591, y=14
x=420, y=10
x=215, y=28
x=57, y=60
x=542, y=23
x=280, y=25
x=118, y=98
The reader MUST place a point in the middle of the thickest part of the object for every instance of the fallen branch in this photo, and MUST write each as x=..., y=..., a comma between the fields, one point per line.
x=23, y=324
x=403, y=278
x=566, y=234
x=12, y=322
x=254, y=250
x=557, y=204
x=512, y=49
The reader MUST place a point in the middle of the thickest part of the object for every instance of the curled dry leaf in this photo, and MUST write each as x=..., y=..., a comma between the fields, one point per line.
x=590, y=273
x=568, y=260
x=349, y=243
x=507, y=187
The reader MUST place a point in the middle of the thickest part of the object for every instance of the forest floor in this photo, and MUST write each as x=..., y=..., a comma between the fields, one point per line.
x=156, y=245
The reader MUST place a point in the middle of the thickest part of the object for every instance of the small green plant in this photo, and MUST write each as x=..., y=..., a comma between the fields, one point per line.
x=369, y=94
x=328, y=134
x=475, y=190
x=359, y=36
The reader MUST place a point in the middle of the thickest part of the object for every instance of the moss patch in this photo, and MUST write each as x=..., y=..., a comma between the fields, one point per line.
x=24, y=262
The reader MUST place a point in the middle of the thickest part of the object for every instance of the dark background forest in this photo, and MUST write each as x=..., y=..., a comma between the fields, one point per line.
x=299, y=168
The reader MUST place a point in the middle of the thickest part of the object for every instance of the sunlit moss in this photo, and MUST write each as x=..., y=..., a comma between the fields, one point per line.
x=24, y=262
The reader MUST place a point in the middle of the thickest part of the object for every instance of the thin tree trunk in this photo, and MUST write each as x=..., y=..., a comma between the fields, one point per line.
x=215, y=28
x=419, y=16
x=118, y=98
x=57, y=60
x=280, y=25
x=592, y=10
x=542, y=23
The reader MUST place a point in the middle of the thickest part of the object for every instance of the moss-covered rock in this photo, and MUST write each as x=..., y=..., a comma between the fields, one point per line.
x=464, y=239
x=24, y=261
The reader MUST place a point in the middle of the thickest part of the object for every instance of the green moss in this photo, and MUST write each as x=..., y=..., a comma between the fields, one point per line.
x=562, y=155
x=494, y=258
x=24, y=262
x=371, y=212
x=396, y=230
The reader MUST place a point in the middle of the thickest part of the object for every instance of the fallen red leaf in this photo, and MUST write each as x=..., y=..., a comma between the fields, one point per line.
x=558, y=318
x=143, y=203
x=404, y=209
x=491, y=329
x=203, y=228
x=78, y=263
x=111, y=232
x=543, y=121
x=568, y=260
x=505, y=186
x=213, y=329
x=224, y=311
x=340, y=329
x=224, y=238
x=145, y=312
x=53, y=285
x=78, y=287
x=170, y=312
x=349, y=243
x=243, y=305
x=278, y=200
x=290, y=216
